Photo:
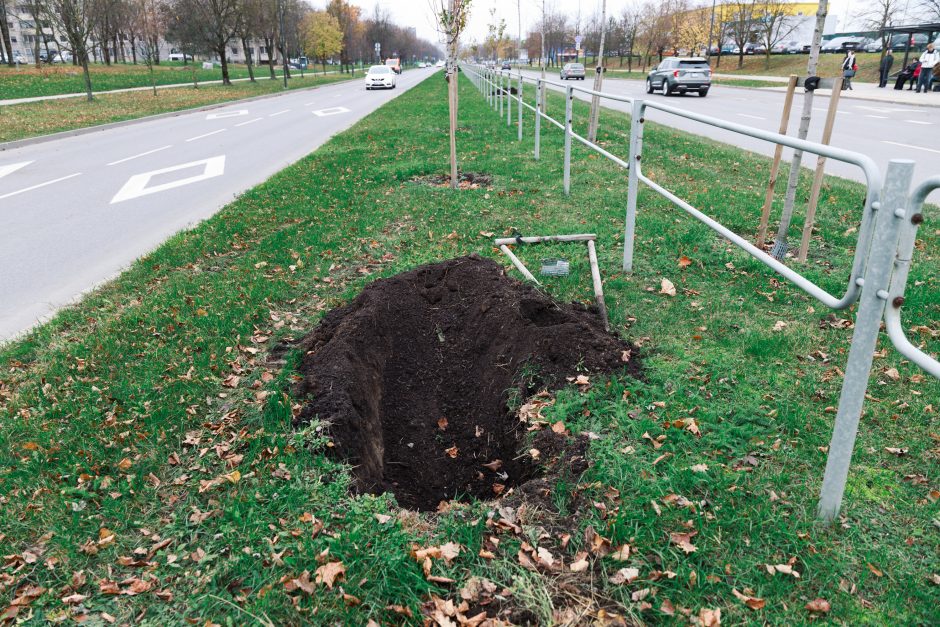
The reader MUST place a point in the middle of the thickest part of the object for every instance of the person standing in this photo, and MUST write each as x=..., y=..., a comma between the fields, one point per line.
x=928, y=60
x=885, y=68
x=849, y=67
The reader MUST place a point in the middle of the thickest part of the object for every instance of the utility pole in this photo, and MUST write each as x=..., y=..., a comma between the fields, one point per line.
x=598, y=76
x=780, y=247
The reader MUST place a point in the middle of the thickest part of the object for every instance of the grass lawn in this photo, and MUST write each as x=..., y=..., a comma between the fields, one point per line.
x=52, y=116
x=149, y=472
x=51, y=80
x=787, y=64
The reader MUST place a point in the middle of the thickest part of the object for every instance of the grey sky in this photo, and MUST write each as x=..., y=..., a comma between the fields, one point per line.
x=418, y=13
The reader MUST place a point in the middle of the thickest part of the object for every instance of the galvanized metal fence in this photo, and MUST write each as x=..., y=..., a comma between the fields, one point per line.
x=883, y=252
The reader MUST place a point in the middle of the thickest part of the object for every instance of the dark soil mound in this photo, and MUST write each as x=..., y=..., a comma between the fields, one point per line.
x=414, y=376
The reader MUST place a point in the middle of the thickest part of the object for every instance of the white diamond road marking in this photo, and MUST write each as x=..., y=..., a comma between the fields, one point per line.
x=331, y=111
x=136, y=185
x=13, y=167
x=227, y=114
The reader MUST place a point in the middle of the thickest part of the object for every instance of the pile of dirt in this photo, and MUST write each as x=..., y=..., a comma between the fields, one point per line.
x=415, y=377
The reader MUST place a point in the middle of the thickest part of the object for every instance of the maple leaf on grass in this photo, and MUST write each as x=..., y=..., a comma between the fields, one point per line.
x=330, y=572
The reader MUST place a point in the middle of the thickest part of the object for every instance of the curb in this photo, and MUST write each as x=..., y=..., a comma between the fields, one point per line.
x=28, y=141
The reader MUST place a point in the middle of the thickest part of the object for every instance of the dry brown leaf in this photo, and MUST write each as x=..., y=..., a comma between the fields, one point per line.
x=624, y=575
x=683, y=541
x=666, y=287
x=494, y=465
x=442, y=424
x=622, y=554
x=821, y=606
x=752, y=602
x=452, y=452
x=329, y=573
x=580, y=563
x=382, y=518
x=709, y=618
x=684, y=262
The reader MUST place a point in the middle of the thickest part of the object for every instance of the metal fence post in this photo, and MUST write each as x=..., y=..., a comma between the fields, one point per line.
x=538, y=118
x=636, y=153
x=881, y=255
x=569, y=98
x=519, y=112
x=499, y=91
x=508, y=99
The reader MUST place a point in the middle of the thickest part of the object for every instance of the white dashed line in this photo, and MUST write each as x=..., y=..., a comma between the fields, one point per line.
x=877, y=117
x=919, y=122
x=28, y=189
x=143, y=154
x=249, y=122
x=192, y=139
x=274, y=115
x=747, y=115
x=910, y=146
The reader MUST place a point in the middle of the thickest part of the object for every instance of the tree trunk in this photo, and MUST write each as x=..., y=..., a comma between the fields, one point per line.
x=87, y=75
x=741, y=57
x=153, y=79
x=223, y=59
x=251, y=71
x=767, y=59
x=5, y=33
x=269, y=46
x=599, y=77
x=134, y=48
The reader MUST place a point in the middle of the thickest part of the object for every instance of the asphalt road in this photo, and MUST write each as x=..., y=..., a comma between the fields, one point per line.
x=880, y=130
x=75, y=211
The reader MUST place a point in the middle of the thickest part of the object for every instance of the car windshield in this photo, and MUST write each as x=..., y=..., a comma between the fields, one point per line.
x=576, y=66
x=379, y=69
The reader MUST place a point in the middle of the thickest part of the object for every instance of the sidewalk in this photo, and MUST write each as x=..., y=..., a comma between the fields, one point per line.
x=860, y=91
x=15, y=101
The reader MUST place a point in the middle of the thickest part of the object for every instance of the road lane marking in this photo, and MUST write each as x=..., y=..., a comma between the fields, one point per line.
x=192, y=139
x=885, y=141
x=274, y=115
x=249, y=122
x=136, y=185
x=227, y=114
x=877, y=117
x=307, y=104
x=919, y=122
x=29, y=189
x=330, y=111
x=143, y=154
x=13, y=167
x=756, y=117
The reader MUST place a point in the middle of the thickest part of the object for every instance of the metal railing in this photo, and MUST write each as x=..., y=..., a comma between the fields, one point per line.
x=883, y=251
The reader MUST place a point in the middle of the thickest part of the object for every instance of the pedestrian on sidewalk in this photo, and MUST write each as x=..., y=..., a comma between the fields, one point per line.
x=849, y=67
x=885, y=68
x=915, y=75
x=928, y=60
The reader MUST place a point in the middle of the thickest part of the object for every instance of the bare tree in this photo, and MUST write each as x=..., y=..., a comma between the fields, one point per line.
x=598, y=77
x=931, y=8
x=742, y=24
x=148, y=22
x=74, y=19
x=216, y=24
x=880, y=14
x=452, y=19
x=5, y=33
x=776, y=24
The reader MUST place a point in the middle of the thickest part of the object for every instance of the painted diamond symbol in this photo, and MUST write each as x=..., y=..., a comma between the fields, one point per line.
x=136, y=185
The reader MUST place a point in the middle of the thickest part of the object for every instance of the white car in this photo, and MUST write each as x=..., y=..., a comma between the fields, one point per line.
x=380, y=77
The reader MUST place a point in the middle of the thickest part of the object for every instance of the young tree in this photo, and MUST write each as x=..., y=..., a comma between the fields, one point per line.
x=217, y=23
x=598, y=77
x=776, y=24
x=322, y=36
x=452, y=19
x=741, y=25
x=148, y=22
x=880, y=14
x=347, y=16
x=74, y=19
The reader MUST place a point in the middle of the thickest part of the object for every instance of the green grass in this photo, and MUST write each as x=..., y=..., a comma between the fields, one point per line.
x=50, y=80
x=51, y=116
x=112, y=413
x=786, y=64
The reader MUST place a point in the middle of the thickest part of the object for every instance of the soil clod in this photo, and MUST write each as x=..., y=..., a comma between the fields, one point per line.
x=415, y=377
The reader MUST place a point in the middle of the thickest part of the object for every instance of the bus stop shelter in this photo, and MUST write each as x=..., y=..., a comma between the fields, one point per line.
x=931, y=29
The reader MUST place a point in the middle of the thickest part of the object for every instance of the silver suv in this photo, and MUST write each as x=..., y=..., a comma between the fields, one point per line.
x=680, y=75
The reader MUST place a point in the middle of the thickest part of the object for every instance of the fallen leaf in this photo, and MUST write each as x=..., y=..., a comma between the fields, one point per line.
x=329, y=573
x=624, y=575
x=382, y=518
x=580, y=563
x=683, y=541
x=622, y=554
x=74, y=599
x=779, y=325
x=494, y=465
x=699, y=468
x=893, y=374
x=442, y=424
x=684, y=261
x=640, y=594
x=452, y=452
x=666, y=287
x=900, y=452
x=752, y=602
x=875, y=571
x=709, y=618
x=819, y=605
x=450, y=551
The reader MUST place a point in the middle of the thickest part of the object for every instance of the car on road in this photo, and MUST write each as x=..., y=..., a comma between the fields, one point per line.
x=680, y=75
x=439, y=64
x=18, y=57
x=572, y=71
x=506, y=65
x=730, y=49
x=380, y=77
x=394, y=64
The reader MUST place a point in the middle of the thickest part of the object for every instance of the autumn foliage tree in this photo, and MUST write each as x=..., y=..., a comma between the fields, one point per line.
x=322, y=35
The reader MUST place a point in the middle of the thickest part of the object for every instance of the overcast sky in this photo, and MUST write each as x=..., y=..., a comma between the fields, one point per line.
x=418, y=13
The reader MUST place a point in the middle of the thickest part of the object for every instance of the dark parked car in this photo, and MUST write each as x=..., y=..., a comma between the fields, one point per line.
x=572, y=71
x=680, y=75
